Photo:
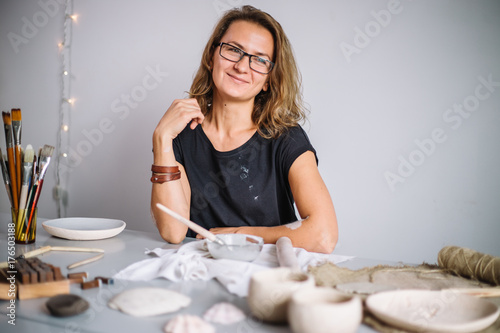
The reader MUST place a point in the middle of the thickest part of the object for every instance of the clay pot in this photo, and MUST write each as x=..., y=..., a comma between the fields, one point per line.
x=270, y=291
x=324, y=310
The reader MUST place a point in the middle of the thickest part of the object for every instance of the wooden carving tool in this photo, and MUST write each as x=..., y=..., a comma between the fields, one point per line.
x=10, y=157
x=48, y=248
x=86, y=261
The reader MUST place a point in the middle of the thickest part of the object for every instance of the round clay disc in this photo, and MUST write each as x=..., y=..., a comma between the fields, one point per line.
x=66, y=305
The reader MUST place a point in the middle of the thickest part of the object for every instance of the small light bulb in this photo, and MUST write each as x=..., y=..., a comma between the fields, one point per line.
x=71, y=101
x=74, y=17
x=65, y=128
x=61, y=45
x=65, y=73
x=64, y=155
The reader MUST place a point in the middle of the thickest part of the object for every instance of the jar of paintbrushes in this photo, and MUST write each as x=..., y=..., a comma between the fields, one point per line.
x=23, y=172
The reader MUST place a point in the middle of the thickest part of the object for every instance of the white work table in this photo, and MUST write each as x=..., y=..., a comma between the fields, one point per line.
x=120, y=251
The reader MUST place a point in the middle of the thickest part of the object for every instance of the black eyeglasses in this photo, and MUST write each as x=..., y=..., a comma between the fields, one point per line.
x=235, y=54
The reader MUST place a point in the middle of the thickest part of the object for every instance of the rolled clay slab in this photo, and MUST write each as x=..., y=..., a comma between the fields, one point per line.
x=143, y=302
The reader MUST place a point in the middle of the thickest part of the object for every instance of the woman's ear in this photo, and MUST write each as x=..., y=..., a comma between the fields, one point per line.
x=266, y=86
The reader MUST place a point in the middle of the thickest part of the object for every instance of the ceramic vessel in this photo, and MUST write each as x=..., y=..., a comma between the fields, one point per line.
x=270, y=291
x=445, y=311
x=324, y=310
x=237, y=247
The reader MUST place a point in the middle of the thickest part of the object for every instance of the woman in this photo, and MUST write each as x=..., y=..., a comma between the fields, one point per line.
x=233, y=157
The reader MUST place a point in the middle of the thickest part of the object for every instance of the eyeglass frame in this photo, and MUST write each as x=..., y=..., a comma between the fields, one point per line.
x=243, y=54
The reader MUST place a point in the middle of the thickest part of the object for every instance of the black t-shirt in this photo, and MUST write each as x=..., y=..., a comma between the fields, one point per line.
x=247, y=186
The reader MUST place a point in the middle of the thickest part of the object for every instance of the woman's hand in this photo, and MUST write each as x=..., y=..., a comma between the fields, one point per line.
x=176, y=118
x=224, y=230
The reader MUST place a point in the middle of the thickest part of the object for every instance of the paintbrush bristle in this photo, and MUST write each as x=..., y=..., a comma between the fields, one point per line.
x=16, y=115
x=6, y=118
x=29, y=154
x=47, y=151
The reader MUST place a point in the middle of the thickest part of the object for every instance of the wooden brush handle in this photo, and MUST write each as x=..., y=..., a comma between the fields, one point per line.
x=19, y=165
x=13, y=178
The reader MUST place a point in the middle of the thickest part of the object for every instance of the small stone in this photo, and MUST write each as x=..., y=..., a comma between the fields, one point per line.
x=66, y=305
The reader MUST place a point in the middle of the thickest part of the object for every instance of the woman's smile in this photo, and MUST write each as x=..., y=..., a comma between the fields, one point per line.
x=237, y=79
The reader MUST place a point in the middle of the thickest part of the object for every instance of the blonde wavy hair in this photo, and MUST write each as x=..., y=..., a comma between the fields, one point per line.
x=278, y=108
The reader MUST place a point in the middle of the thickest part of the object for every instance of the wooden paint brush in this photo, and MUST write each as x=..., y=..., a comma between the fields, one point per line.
x=10, y=157
x=16, y=131
x=44, y=160
x=6, y=178
x=29, y=156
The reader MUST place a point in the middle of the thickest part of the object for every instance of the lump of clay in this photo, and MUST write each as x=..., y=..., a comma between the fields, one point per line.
x=142, y=302
x=188, y=324
x=224, y=313
x=66, y=305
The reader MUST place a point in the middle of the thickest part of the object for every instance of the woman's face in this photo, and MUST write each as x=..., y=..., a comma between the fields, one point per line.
x=236, y=80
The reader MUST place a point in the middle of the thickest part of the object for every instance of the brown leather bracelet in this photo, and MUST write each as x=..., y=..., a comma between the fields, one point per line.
x=164, y=169
x=166, y=177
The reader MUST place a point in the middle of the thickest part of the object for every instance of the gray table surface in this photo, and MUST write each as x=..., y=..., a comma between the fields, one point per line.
x=120, y=251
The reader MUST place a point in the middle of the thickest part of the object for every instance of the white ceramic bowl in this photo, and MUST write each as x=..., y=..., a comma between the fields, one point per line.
x=324, y=310
x=83, y=228
x=238, y=247
x=270, y=290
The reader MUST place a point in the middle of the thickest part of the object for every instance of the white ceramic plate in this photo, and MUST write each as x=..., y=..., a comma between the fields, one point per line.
x=436, y=311
x=83, y=228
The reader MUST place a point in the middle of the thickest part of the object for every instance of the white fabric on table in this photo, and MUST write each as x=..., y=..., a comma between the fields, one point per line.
x=192, y=261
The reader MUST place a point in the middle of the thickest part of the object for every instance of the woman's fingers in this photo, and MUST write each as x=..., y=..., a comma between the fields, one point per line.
x=181, y=113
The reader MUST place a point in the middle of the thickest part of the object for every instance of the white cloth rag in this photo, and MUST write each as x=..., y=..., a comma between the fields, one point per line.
x=192, y=261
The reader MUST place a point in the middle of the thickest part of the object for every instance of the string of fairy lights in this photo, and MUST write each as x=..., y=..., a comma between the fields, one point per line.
x=65, y=107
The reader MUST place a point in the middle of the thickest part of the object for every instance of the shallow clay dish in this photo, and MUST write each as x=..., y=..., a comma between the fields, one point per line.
x=83, y=228
x=435, y=311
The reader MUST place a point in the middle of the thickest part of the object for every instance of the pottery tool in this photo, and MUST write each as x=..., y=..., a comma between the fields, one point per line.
x=286, y=254
x=49, y=248
x=191, y=225
x=33, y=278
x=479, y=292
x=471, y=264
x=10, y=157
x=29, y=156
x=86, y=261
x=44, y=160
x=6, y=178
x=16, y=130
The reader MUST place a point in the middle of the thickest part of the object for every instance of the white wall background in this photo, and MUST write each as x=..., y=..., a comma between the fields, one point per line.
x=378, y=88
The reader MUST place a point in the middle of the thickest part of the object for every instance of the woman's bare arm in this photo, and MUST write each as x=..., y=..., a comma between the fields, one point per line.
x=173, y=194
